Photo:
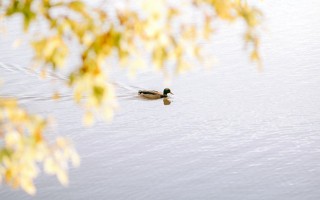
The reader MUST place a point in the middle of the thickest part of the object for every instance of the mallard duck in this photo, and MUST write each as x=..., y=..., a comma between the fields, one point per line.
x=152, y=94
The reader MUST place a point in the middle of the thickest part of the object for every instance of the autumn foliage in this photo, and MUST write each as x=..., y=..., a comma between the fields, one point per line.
x=151, y=33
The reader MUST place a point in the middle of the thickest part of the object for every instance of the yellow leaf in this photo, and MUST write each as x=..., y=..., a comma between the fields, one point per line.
x=28, y=186
x=75, y=159
x=56, y=96
x=88, y=119
x=49, y=166
x=8, y=175
x=63, y=177
x=43, y=73
x=12, y=138
x=62, y=142
x=108, y=113
x=254, y=56
x=77, y=6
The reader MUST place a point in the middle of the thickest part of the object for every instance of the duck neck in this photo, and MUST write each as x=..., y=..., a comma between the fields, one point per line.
x=164, y=95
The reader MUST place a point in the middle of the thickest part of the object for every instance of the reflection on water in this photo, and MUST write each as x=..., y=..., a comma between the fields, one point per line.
x=166, y=101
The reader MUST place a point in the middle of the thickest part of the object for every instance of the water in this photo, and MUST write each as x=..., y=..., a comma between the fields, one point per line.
x=230, y=133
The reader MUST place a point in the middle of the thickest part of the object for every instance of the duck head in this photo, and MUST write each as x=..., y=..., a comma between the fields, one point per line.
x=167, y=91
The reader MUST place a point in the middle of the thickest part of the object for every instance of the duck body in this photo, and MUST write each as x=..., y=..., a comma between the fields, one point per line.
x=152, y=94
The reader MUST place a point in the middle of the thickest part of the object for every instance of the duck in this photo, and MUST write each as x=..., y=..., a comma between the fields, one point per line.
x=152, y=94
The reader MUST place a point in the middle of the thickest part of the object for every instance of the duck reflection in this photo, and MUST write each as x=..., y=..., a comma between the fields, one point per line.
x=166, y=101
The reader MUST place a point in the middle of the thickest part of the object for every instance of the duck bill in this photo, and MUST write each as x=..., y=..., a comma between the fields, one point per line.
x=171, y=93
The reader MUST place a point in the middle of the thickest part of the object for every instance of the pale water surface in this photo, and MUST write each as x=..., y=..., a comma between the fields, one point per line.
x=229, y=133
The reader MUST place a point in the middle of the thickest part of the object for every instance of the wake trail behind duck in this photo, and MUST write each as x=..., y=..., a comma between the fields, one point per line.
x=129, y=89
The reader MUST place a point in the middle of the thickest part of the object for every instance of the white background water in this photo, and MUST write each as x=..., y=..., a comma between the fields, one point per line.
x=230, y=133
